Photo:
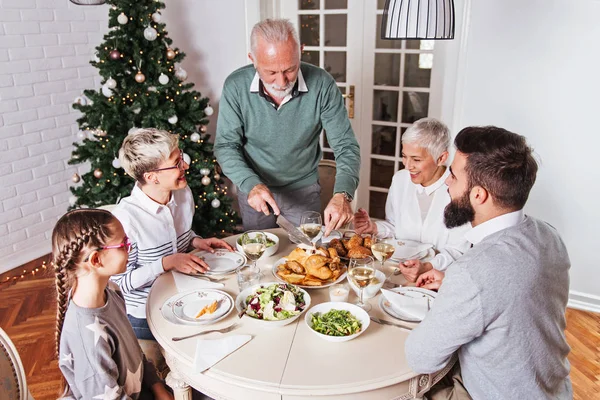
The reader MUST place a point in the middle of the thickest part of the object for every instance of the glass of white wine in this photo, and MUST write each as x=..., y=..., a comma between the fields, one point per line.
x=382, y=248
x=311, y=224
x=254, y=244
x=362, y=272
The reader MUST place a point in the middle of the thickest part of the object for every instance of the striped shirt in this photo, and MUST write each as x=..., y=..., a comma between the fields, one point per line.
x=155, y=231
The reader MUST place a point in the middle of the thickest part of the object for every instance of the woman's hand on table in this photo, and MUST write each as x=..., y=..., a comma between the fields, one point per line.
x=412, y=269
x=363, y=223
x=210, y=244
x=185, y=262
x=431, y=280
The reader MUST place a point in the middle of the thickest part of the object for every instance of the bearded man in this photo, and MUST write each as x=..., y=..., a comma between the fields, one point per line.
x=271, y=116
x=501, y=306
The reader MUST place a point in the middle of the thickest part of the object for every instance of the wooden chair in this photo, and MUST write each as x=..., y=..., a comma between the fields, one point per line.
x=13, y=384
x=327, y=172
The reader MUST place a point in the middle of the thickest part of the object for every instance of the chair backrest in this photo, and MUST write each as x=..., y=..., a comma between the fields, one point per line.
x=327, y=171
x=12, y=383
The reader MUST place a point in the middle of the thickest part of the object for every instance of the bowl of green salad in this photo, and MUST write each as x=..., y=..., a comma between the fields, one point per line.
x=272, y=244
x=273, y=304
x=337, y=321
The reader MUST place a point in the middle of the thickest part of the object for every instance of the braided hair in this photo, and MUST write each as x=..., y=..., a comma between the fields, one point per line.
x=75, y=232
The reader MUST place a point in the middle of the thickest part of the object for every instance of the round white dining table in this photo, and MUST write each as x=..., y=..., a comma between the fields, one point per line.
x=288, y=362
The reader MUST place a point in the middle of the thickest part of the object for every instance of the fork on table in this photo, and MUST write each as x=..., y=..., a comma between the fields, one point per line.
x=224, y=330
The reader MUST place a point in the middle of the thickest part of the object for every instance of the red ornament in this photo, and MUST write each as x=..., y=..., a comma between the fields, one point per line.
x=114, y=55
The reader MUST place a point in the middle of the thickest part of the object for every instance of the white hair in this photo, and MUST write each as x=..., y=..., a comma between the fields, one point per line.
x=429, y=133
x=144, y=149
x=273, y=31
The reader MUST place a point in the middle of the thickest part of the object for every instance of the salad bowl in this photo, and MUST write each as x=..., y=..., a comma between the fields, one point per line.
x=276, y=304
x=323, y=308
x=272, y=244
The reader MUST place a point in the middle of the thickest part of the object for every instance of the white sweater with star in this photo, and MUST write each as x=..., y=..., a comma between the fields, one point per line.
x=99, y=354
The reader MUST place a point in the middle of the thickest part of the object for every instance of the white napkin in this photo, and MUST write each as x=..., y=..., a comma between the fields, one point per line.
x=408, y=249
x=209, y=352
x=185, y=282
x=407, y=304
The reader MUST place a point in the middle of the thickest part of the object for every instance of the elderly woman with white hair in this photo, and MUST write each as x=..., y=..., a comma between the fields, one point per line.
x=157, y=218
x=415, y=205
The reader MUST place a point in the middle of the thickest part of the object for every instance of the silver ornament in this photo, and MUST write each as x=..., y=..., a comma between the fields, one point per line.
x=122, y=19
x=187, y=158
x=106, y=91
x=215, y=203
x=156, y=17
x=116, y=163
x=194, y=137
x=163, y=79
x=110, y=83
x=151, y=89
x=82, y=134
x=137, y=110
x=82, y=101
x=209, y=111
x=150, y=33
x=205, y=181
x=173, y=120
x=204, y=171
x=181, y=74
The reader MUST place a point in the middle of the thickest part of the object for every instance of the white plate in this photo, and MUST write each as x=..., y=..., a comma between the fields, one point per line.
x=393, y=312
x=283, y=260
x=188, y=305
x=222, y=262
x=167, y=311
x=240, y=304
x=410, y=250
x=323, y=308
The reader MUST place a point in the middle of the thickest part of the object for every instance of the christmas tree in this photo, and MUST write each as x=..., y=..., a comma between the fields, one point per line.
x=142, y=86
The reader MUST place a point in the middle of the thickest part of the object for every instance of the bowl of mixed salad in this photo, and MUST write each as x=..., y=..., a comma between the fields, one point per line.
x=272, y=244
x=273, y=304
x=337, y=321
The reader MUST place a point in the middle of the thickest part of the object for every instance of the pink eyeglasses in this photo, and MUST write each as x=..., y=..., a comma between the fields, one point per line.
x=126, y=244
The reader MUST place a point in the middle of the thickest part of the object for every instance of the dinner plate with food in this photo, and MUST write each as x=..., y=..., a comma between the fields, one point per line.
x=222, y=262
x=272, y=304
x=197, y=307
x=337, y=321
x=310, y=269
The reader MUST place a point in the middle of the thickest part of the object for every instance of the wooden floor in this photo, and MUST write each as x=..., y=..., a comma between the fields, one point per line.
x=27, y=312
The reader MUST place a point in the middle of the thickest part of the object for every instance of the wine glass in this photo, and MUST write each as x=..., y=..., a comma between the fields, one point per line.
x=382, y=248
x=311, y=223
x=362, y=272
x=254, y=244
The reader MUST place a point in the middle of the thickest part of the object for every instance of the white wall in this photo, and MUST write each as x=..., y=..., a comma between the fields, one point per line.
x=45, y=47
x=530, y=66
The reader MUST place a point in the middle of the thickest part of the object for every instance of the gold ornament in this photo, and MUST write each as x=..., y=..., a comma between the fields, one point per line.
x=140, y=78
x=98, y=173
x=170, y=54
x=203, y=129
x=217, y=177
x=75, y=178
x=205, y=181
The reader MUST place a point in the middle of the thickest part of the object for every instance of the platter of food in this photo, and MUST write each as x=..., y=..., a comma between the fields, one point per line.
x=310, y=271
x=337, y=321
x=272, y=304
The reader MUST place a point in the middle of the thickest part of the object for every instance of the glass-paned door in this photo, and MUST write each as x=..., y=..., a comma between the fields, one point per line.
x=328, y=29
x=396, y=88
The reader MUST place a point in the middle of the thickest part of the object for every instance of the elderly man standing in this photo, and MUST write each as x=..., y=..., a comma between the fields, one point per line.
x=271, y=115
x=501, y=305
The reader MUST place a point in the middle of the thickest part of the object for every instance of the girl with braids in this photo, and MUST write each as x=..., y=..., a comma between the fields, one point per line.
x=97, y=350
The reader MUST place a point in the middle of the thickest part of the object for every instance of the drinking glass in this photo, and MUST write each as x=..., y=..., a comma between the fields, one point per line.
x=311, y=223
x=382, y=248
x=247, y=277
x=254, y=244
x=362, y=272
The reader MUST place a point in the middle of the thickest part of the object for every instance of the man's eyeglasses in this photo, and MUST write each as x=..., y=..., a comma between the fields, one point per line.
x=179, y=164
x=126, y=244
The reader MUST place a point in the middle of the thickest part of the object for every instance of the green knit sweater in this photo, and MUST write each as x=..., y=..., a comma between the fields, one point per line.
x=256, y=143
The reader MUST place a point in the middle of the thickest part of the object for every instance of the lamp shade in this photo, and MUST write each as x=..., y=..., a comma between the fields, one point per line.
x=418, y=19
x=88, y=2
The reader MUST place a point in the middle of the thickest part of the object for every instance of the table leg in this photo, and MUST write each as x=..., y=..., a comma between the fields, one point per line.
x=181, y=390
